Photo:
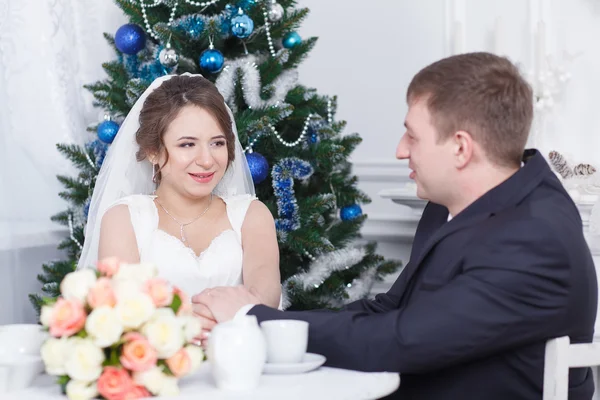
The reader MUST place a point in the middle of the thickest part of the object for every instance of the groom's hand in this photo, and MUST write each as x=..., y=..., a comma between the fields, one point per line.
x=225, y=302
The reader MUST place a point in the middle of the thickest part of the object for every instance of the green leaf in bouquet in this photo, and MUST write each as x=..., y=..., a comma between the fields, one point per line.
x=112, y=358
x=82, y=334
x=62, y=382
x=176, y=304
x=162, y=364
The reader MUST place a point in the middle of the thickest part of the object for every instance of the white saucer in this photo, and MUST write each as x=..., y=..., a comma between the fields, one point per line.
x=309, y=362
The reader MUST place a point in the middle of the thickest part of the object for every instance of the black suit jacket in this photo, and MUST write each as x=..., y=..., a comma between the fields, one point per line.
x=469, y=315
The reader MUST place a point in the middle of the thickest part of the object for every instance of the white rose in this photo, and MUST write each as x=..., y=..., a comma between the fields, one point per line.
x=136, y=272
x=77, y=284
x=169, y=387
x=46, y=315
x=191, y=327
x=78, y=390
x=153, y=379
x=165, y=333
x=126, y=288
x=196, y=356
x=85, y=359
x=54, y=353
x=103, y=326
x=133, y=311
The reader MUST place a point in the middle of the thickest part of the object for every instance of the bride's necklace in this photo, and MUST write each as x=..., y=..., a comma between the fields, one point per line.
x=183, y=238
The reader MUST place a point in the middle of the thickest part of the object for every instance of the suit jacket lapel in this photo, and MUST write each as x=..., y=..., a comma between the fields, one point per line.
x=445, y=230
x=509, y=192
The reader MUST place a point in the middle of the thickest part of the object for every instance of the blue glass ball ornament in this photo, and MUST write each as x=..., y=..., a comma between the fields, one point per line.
x=259, y=166
x=242, y=25
x=107, y=131
x=212, y=60
x=130, y=39
x=312, y=136
x=348, y=213
x=291, y=40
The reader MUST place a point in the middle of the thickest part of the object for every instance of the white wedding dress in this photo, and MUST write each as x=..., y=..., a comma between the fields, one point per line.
x=220, y=264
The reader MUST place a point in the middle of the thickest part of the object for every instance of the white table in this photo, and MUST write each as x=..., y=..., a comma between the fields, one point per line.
x=323, y=383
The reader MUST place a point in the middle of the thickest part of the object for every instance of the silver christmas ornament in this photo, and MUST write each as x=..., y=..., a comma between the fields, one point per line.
x=168, y=57
x=275, y=12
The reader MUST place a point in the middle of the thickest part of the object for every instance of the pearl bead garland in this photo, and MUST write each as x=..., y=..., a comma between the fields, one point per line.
x=72, y=236
x=268, y=31
x=201, y=4
x=296, y=142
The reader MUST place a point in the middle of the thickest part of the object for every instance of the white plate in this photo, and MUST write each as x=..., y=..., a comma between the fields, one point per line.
x=309, y=362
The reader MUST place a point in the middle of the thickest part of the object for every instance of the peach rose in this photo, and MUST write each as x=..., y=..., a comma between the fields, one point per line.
x=160, y=291
x=137, y=353
x=68, y=317
x=114, y=383
x=108, y=266
x=102, y=294
x=136, y=392
x=180, y=363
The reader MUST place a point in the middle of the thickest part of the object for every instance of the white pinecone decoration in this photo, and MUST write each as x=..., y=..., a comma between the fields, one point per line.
x=560, y=165
x=584, y=170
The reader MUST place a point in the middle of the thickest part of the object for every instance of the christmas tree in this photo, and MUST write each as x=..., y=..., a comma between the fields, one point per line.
x=294, y=146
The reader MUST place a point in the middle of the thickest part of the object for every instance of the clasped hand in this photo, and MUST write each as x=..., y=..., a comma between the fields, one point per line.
x=220, y=304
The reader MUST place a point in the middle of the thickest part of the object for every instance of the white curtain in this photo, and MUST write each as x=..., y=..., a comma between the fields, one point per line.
x=48, y=50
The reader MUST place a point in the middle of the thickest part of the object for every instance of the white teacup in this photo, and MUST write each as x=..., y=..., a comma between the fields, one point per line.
x=287, y=340
x=18, y=339
x=20, y=360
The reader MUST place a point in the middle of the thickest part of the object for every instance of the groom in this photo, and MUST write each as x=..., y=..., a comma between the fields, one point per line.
x=499, y=263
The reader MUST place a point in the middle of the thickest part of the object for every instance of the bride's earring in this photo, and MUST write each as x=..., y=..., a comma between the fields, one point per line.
x=155, y=171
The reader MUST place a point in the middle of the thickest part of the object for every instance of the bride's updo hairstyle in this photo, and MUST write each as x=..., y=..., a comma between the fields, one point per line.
x=163, y=105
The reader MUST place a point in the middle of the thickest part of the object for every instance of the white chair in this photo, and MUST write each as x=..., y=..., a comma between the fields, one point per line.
x=559, y=357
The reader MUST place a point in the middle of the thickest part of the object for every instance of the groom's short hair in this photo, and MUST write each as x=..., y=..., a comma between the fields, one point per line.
x=482, y=94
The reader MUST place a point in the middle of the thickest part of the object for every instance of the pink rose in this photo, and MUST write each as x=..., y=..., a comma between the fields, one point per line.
x=102, y=294
x=180, y=363
x=137, y=355
x=68, y=317
x=136, y=392
x=108, y=266
x=114, y=383
x=160, y=291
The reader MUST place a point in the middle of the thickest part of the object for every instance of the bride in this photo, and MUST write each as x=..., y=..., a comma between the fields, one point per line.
x=175, y=191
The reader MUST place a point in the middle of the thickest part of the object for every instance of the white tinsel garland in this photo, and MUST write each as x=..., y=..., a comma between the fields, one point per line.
x=326, y=264
x=361, y=285
x=251, y=83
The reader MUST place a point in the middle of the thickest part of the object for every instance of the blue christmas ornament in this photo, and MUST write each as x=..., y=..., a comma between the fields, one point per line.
x=86, y=207
x=348, y=213
x=130, y=39
x=259, y=166
x=193, y=25
x=312, y=135
x=247, y=4
x=284, y=173
x=231, y=10
x=242, y=25
x=107, y=130
x=212, y=60
x=290, y=40
x=99, y=149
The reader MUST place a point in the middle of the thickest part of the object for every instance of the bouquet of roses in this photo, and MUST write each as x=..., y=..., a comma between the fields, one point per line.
x=119, y=332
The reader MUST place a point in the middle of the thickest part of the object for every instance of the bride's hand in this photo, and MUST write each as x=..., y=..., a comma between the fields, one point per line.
x=207, y=319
